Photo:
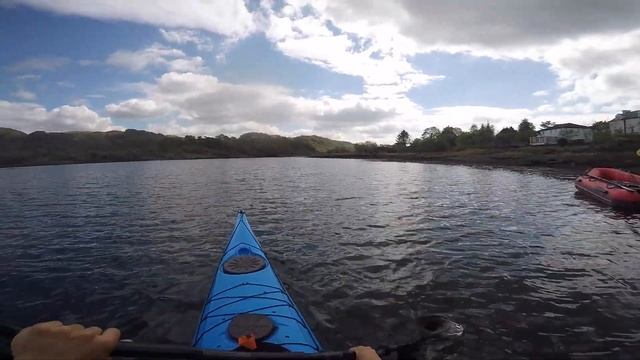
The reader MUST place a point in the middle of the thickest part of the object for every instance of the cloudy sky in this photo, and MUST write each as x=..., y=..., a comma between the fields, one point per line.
x=349, y=69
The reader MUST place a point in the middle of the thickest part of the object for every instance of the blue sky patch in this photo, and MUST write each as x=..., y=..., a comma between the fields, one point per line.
x=482, y=81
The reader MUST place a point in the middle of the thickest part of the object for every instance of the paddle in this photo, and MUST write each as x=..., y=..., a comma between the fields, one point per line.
x=612, y=183
x=433, y=327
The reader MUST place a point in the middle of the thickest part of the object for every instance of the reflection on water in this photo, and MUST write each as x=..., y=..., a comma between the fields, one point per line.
x=365, y=248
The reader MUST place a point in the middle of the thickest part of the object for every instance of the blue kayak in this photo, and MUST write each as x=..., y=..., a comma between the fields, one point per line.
x=247, y=300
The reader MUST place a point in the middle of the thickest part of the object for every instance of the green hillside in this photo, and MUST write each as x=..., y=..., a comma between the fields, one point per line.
x=324, y=145
x=18, y=148
x=6, y=132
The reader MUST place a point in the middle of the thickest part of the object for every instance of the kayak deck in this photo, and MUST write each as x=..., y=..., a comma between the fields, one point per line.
x=245, y=283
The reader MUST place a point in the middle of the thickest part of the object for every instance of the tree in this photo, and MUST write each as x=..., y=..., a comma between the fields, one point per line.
x=506, y=137
x=526, y=129
x=477, y=136
x=526, y=126
x=547, y=124
x=430, y=133
x=486, y=134
x=403, y=139
x=601, y=132
x=600, y=126
x=448, y=137
x=367, y=147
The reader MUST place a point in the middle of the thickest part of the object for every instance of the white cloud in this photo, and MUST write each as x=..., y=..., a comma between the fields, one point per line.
x=545, y=108
x=199, y=104
x=136, y=108
x=593, y=47
x=155, y=55
x=33, y=77
x=186, y=64
x=24, y=95
x=38, y=64
x=230, y=18
x=65, y=84
x=186, y=36
x=202, y=105
x=307, y=35
x=598, y=71
x=78, y=102
x=29, y=117
x=201, y=98
x=87, y=62
x=502, y=24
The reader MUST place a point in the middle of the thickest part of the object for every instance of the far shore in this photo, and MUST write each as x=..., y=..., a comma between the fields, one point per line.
x=577, y=158
x=41, y=148
x=571, y=159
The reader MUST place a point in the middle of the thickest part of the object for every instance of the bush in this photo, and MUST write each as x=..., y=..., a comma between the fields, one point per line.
x=563, y=142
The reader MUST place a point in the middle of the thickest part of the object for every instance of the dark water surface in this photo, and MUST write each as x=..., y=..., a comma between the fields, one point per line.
x=364, y=247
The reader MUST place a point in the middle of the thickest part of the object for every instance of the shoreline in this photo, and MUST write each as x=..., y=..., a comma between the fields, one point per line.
x=570, y=159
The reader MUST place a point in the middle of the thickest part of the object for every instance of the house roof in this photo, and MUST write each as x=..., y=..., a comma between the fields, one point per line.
x=566, y=126
x=626, y=114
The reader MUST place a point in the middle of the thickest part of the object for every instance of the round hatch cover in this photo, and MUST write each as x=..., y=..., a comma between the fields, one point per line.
x=244, y=264
x=260, y=326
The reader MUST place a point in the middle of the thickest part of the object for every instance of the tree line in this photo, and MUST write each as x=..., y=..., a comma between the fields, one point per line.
x=434, y=139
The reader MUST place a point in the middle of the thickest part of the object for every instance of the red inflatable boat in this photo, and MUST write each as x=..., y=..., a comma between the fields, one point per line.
x=614, y=187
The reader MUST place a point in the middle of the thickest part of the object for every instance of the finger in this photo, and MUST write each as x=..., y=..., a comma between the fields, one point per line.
x=87, y=333
x=364, y=352
x=93, y=331
x=108, y=339
x=47, y=325
x=358, y=350
x=73, y=329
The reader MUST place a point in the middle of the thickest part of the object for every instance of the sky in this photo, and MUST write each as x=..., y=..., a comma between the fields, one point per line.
x=352, y=70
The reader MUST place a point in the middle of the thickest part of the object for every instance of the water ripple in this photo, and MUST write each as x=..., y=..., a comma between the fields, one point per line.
x=364, y=247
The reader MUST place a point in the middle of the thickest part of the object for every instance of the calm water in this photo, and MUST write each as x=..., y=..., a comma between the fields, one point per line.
x=364, y=247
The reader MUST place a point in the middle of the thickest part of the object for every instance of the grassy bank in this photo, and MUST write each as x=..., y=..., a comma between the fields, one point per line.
x=543, y=156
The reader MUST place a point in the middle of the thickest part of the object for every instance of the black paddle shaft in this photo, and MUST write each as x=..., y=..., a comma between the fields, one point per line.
x=436, y=326
x=184, y=352
x=156, y=351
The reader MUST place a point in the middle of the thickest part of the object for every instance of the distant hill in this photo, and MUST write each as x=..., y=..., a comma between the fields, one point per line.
x=38, y=148
x=6, y=132
x=324, y=145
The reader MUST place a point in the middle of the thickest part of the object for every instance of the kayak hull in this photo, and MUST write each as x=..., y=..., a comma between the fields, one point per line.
x=235, y=291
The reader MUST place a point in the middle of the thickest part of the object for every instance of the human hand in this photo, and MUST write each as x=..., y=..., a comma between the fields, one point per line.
x=53, y=340
x=365, y=353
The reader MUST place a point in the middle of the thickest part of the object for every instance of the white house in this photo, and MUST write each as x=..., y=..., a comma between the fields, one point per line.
x=572, y=132
x=627, y=122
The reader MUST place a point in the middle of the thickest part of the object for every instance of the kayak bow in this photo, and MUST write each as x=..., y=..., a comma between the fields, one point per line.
x=248, y=304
